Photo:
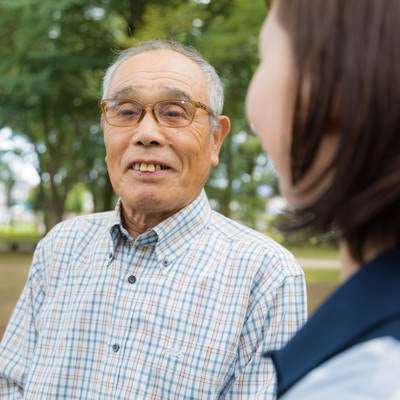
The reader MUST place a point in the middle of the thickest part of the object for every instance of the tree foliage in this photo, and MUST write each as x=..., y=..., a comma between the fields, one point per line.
x=53, y=55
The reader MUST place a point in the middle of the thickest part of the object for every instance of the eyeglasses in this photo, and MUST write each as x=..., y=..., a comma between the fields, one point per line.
x=170, y=113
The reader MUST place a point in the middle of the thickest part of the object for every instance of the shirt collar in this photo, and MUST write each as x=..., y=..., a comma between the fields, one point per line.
x=366, y=300
x=171, y=236
x=177, y=231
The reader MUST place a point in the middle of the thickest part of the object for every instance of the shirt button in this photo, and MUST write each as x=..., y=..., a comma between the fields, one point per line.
x=165, y=262
x=131, y=279
x=115, y=347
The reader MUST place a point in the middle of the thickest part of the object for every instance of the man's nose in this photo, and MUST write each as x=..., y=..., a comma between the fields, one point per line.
x=148, y=131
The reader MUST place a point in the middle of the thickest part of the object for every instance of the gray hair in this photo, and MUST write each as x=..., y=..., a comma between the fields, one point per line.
x=214, y=83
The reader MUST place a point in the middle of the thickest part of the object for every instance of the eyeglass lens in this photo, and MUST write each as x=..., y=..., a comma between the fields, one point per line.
x=170, y=113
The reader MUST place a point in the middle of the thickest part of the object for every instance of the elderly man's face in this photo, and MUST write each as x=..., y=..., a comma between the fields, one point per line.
x=158, y=170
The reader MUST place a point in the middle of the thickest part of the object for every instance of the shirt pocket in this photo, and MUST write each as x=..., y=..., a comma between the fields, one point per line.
x=175, y=369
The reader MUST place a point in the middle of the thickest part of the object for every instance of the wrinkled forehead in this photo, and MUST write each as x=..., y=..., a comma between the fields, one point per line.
x=164, y=92
x=159, y=73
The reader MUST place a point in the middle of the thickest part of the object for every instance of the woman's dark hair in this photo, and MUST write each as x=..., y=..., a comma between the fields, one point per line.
x=348, y=56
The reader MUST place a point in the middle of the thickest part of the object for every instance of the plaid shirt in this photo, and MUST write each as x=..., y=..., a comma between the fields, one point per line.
x=182, y=312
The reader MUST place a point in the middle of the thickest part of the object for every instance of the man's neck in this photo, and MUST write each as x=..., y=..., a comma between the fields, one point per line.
x=137, y=223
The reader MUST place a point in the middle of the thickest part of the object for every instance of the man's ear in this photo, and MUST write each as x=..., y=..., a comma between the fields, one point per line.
x=218, y=136
x=102, y=122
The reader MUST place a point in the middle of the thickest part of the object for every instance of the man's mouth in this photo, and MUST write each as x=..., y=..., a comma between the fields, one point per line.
x=144, y=167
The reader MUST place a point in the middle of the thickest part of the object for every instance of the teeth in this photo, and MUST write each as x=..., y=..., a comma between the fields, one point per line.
x=146, y=167
x=143, y=167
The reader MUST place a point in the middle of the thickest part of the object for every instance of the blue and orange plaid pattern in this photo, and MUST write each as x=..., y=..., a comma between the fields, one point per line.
x=184, y=311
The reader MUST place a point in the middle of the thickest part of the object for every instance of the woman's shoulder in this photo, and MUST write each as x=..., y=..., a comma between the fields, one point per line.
x=369, y=370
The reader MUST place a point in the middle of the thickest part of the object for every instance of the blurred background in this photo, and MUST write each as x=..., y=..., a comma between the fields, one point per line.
x=52, y=58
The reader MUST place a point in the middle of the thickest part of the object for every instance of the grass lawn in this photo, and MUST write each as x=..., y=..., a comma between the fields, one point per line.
x=13, y=272
x=320, y=283
x=14, y=269
x=307, y=251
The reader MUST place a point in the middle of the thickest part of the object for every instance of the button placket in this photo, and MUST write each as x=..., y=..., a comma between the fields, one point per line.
x=165, y=262
x=110, y=258
x=115, y=347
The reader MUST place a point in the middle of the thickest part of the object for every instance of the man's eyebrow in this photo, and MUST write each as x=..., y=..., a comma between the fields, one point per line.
x=167, y=93
x=175, y=93
x=126, y=92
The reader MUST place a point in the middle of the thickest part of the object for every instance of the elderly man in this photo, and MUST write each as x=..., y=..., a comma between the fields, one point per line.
x=162, y=298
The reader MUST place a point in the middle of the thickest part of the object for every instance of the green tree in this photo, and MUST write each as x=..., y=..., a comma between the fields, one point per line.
x=53, y=55
x=8, y=179
x=75, y=202
x=9, y=156
x=230, y=42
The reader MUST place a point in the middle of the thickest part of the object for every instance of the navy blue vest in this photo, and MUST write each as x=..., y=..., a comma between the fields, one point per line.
x=364, y=307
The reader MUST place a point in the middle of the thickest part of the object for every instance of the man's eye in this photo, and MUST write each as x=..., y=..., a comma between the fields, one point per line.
x=173, y=112
x=128, y=111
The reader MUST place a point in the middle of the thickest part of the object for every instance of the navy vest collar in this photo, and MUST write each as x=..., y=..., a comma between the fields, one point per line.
x=368, y=300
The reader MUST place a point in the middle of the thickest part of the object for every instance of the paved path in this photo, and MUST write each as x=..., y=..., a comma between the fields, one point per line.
x=318, y=263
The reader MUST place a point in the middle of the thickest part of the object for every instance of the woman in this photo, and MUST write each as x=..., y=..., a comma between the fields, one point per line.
x=325, y=102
